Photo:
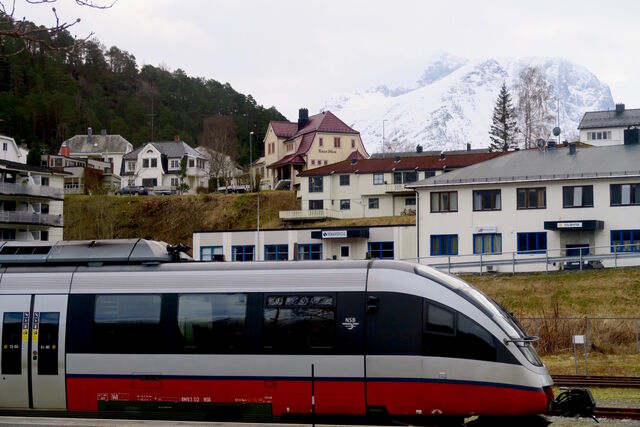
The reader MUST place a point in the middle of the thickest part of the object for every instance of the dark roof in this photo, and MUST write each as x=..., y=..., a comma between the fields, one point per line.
x=604, y=119
x=284, y=129
x=426, y=153
x=535, y=165
x=28, y=168
x=389, y=164
x=168, y=148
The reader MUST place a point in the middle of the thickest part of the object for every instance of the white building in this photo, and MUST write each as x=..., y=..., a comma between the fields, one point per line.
x=10, y=150
x=221, y=167
x=340, y=243
x=532, y=204
x=373, y=187
x=79, y=169
x=102, y=147
x=612, y=127
x=156, y=166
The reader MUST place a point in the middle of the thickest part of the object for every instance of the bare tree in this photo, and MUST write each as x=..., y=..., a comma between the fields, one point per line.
x=534, y=94
x=51, y=37
x=219, y=139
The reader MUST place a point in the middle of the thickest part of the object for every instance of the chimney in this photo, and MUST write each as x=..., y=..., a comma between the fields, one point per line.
x=468, y=146
x=65, y=150
x=397, y=159
x=303, y=117
x=572, y=149
x=443, y=156
x=103, y=132
x=419, y=149
x=176, y=138
x=89, y=135
x=619, y=109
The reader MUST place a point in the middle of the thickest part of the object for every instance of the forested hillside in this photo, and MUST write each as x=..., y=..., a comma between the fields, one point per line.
x=49, y=95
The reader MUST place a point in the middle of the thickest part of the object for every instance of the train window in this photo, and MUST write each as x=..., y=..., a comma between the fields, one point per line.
x=12, y=343
x=213, y=323
x=48, y=344
x=127, y=309
x=299, y=324
x=439, y=320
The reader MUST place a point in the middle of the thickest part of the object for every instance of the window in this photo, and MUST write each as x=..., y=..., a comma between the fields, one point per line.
x=127, y=309
x=208, y=253
x=410, y=201
x=625, y=194
x=12, y=343
x=313, y=162
x=345, y=204
x=310, y=251
x=5, y=147
x=374, y=203
x=44, y=236
x=336, y=142
x=446, y=201
x=316, y=204
x=380, y=250
x=191, y=163
x=321, y=142
x=344, y=251
x=532, y=243
x=315, y=184
x=599, y=135
x=299, y=324
x=378, y=178
x=213, y=323
x=149, y=182
x=44, y=208
x=532, y=198
x=487, y=243
x=326, y=162
x=429, y=174
x=154, y=163
x=242, y=253
x=131, y=166
x=175, y=182
x=486, y=200
x=44, y=181
x=625, y=240
x=405, y=177
x=344, y=180
x=175, y=164
x=7, y=234
x=353, y=143
x=276, y=252
x=145, y=163
x=580, y=196
x=444, y=244
x=48, y=343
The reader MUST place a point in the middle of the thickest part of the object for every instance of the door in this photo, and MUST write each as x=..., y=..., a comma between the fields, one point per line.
x=32, y=354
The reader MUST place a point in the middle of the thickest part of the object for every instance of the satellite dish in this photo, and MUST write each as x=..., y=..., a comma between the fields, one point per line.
x=556, y=131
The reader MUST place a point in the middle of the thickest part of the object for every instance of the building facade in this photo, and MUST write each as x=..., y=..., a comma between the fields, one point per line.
x=534, y=204
x=339, y=243
x=10, y=150
x=31, y=202
x=373, y=187
x=157, y=165
x=78, y=169
x=102, y=147
x=319, y=140
x=604, y=128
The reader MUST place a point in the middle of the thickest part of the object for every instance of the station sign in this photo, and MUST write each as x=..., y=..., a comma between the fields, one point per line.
x=334, y=234
x=487, y=229
x=576, y=224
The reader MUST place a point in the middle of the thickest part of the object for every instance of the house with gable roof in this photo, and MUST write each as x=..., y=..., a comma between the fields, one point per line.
x=101, y=147
x=319, y=140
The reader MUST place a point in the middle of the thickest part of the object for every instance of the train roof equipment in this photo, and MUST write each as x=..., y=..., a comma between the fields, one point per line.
x=91, y=252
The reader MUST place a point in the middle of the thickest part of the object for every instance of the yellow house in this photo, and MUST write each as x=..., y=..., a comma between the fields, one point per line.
x=319, y=140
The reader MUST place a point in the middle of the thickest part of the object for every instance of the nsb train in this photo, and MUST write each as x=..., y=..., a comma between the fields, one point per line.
x=126, y=327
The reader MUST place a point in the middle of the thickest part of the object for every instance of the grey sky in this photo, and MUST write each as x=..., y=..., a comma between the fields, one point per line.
x=297, y=53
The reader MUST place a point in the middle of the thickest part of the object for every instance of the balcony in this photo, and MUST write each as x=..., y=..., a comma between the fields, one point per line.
x=16, y=217
x=29, y=189
x=309, y=215
x=397, y=188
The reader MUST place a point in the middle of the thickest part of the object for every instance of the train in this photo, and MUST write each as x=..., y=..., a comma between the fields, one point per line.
x=133, y=328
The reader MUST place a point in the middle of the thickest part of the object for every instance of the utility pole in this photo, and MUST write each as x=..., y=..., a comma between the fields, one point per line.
x=383, y=135
x=152, y=120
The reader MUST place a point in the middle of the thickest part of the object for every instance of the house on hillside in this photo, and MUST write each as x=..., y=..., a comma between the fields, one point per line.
x=11, y=151
x=373, y=187
x=312, y=142
x=82, y=174
x=102, y=147
x=221, y=168
x=156, y=166
x=612, y=127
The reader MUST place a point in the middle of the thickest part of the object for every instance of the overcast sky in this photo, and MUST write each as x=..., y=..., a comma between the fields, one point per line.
x=298, y=53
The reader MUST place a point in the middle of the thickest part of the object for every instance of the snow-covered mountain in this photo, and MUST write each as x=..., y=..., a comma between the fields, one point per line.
x=451, y=104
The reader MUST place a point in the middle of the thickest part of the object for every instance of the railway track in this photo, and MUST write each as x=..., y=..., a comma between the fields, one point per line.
x=595, y=381
x=617, y=413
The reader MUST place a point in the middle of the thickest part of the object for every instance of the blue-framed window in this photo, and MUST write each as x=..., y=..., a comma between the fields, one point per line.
x=625, y=240
x=444, y=244
x=490, y=243
x=208, y=253
x=276, y=252
x=532, y=243
x=311, y=251
x=242, y=253
x=381, y=250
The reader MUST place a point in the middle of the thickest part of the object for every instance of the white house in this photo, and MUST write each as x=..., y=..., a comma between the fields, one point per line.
x=156, y=166
x=612, y=127
x=534, y=203
x=373, y=187
x=108, y=148
x=221, y=166
x=10, y=150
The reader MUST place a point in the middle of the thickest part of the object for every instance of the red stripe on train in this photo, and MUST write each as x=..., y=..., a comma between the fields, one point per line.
x=331, y=397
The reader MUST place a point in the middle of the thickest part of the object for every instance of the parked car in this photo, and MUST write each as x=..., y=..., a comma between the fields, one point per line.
x=137, y=190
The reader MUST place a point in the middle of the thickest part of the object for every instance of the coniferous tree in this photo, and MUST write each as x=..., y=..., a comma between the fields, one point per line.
x=504, y=127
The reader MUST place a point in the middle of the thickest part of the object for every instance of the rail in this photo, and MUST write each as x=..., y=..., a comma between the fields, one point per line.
x=15, y=217
x=595, y=381
x=310, y=214
x=30, y=189
x=617, y=413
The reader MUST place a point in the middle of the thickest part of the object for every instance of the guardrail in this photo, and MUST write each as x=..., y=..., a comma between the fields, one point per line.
x=29, y=189
x=31, y=218
x=310, y=214
x=398, y=188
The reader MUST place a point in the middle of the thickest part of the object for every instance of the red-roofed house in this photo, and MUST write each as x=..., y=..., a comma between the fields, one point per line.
x=357, y=188
x=319, y=140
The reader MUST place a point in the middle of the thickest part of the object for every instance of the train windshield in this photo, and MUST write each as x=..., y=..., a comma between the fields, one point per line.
x=502, y=317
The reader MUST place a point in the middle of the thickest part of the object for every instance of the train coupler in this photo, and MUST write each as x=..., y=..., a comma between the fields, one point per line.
x=576, y=402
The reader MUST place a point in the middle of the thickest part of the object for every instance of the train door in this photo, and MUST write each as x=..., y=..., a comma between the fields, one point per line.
x=32, y=354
